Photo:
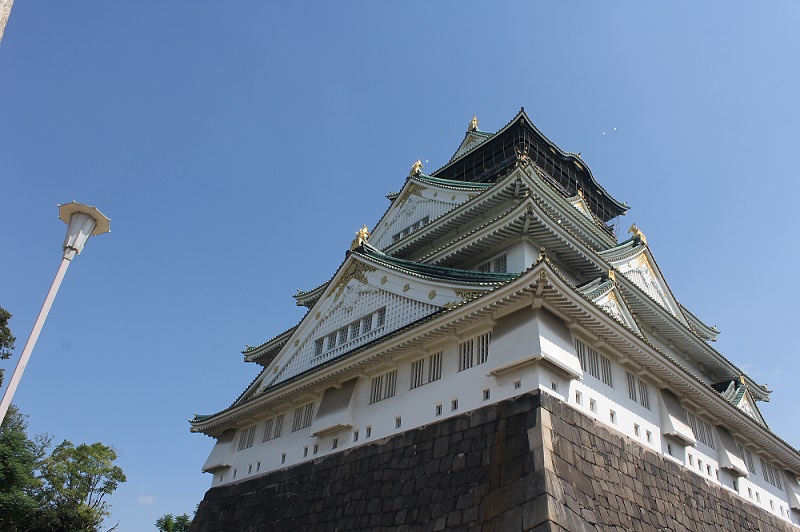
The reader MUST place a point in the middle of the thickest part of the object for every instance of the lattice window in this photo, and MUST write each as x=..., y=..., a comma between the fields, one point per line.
x=383, y=386
x=426, y=370
x=246, y=437
x=302, y=417
x=273, y=428
x=771, y=474
x=595, y=364
x=748, y=459
x=473, y=351
x=497, y=264
x=638, y=390
x=701, y=429
x=319, y=346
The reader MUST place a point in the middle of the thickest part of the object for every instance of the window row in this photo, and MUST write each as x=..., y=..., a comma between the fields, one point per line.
x=496, y=265
x=410, y=229
x=593, y=363
x=349, y=332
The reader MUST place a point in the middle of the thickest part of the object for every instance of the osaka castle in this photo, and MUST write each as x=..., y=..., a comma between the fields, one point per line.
x=493, y=287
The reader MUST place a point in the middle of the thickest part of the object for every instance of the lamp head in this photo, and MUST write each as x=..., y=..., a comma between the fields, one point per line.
x=83, y=221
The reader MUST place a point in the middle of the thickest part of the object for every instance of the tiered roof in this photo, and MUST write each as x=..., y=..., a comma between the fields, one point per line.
x=497, y=189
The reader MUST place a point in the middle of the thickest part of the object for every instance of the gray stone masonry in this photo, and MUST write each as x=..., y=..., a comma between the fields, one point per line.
x=528, y=463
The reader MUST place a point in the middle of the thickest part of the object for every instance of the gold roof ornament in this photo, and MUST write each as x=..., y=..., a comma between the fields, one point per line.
x=416, y=169
x=612, y=275
x=637, y=233
x=361, y=237
x=741, y=380
x=473, y=124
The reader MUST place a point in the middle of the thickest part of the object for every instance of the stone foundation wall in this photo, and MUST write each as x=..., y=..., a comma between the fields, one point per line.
x=530, y=463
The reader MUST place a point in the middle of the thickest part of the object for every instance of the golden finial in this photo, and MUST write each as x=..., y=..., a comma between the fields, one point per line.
x=473, y=124
x=612, y=275
x=741, y=379
x=361, y=237
x=416, y=169
x=637, y=233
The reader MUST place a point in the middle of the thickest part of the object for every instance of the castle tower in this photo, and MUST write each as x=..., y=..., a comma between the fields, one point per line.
x=491, y=353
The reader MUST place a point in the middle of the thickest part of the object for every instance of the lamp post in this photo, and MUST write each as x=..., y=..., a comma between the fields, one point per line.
x=83, y=221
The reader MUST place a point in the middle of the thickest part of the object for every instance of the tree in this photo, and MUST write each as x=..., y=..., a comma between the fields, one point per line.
x=19, y=458
x=6, y=338
x=75, y=480
x=170, y=523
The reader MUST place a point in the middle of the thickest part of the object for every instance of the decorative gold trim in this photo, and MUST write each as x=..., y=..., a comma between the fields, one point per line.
x=384, y=279
x=612, y=275
x=414, y=189
x=467, y=295
x=473, y=124
x=431, y=294
x=316, y=316
x=296, y=343
x=450, y=305
x=357, y=271
x=406, y=287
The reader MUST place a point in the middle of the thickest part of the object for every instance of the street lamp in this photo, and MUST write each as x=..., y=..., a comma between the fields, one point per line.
x=83, y=221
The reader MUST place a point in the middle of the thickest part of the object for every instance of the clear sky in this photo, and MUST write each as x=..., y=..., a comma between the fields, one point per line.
x=237, y=147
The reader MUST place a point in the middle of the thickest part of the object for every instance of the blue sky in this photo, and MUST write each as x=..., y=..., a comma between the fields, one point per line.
x=237, y=147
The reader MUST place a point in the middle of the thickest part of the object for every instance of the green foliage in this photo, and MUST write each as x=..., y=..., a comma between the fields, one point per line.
x=75, y=482
x=6, y=338
x=62, y=492
x=170, y=523
x=19, y=457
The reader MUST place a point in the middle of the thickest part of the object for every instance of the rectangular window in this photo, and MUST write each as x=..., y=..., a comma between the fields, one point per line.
x=500, y=264
x=383, y=386
x=319, y=346
x=283, y=458
x=644, y=394
x=381, y=317
x=369, y=431
x=637, y=390
x=747, y=456
x=335, y=443
x=305, y=451
x=343, y=336
x=426, y=370
x=438, y=410
x=612, y=416
x=331, y=341
x=593, y=363
x=593, y=405
x=486, y=394
x=632, y=387
x=273, y=428
x=366, y=325
x=649, y=437
x=702, y=430
x=771, y=474
x=579, y=398
x=398, y=421
x=354, y=329
x=473, y=351
x=246, y=437
x=497, y=265
x=517, y=384
x=302, y=417
x=454, y=404
x=355, y=435
x=636, y=430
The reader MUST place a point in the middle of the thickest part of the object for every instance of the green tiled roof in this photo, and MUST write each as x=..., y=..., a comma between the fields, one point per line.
x=442, y=273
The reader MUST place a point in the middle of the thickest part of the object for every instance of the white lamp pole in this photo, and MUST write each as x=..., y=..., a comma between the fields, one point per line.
x=83, y=221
